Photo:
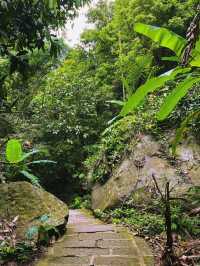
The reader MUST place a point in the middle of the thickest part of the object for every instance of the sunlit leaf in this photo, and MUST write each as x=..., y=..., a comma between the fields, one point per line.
x=14, y=151
x=163, y=37
x=150, y=86
x=42, y=162
x=52, y=4
x=34, y=179
x=28, y=154
x=177, y=94
x=171, y=59
x=195, y=62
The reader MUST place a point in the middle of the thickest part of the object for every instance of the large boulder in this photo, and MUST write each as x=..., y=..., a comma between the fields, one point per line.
x=29, y=202
x=134, y=174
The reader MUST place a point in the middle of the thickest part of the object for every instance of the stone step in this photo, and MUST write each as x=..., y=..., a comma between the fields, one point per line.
x=88, y=242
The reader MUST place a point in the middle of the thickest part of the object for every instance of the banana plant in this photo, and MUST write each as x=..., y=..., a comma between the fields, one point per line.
x=176, y=43
x=19, y=162
x=189, y=78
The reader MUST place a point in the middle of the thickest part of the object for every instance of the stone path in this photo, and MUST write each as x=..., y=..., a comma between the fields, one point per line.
x=88, y=242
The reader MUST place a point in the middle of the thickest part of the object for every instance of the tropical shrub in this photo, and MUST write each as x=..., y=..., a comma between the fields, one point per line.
x=18, y=163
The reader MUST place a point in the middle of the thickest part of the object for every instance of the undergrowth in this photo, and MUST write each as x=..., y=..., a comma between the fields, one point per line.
x=117, y=141
x=79, y=202
x=22, y=254
x=149, y=221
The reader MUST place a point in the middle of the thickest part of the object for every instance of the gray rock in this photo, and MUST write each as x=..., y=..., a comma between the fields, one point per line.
x=134, y=174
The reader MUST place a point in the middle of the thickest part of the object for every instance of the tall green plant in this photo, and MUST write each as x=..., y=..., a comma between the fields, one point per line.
x=176, y=43
x=19, y=163
x=150, y=86
x=188, y=77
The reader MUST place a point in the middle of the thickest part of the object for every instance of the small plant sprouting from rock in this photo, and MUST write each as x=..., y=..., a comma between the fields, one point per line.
x=44, y=231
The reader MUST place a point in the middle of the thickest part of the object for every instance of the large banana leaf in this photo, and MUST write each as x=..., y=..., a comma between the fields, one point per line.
x=34, y=179
x=195, y=55
x=29, y=154
x=163, y=37
x=195, y=62
x=150, y=86
x=177, y=94
x=41, y=162
x=14, y=151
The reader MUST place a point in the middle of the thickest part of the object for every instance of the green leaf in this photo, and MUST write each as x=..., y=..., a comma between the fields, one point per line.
x=163, y=37
x=34, y=179
x=121, y=103
x=13, y=151
x=52, y=4
x=44, y=218
x=195, y=62
x=126, y=86
x=197, y=46
x=28, y=154
x=195, y=55
x=183, y=128
x=177, y=94
x=41, y=162
x=150, y=86
x=171, y=59
x=31, y=232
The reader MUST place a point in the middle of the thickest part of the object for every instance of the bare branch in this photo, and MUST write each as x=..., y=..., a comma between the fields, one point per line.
x=157, y=187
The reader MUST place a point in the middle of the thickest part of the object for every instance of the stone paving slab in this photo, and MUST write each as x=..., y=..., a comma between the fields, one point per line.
x=89, y=242
x=94, y=228
x=117, y=260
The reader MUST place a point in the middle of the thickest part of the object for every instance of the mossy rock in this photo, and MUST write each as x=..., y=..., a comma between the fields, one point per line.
x=29, y=202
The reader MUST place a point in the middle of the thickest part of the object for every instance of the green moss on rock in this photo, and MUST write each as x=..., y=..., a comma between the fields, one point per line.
x=29, y=202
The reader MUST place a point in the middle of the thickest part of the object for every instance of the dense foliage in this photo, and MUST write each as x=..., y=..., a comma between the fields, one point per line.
x=148, y=219
x=86, y=107
x=67, y=102
x=26, y=25
x=27, y=36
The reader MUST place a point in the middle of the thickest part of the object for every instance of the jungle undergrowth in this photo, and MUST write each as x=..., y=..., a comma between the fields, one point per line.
x=148, y=221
